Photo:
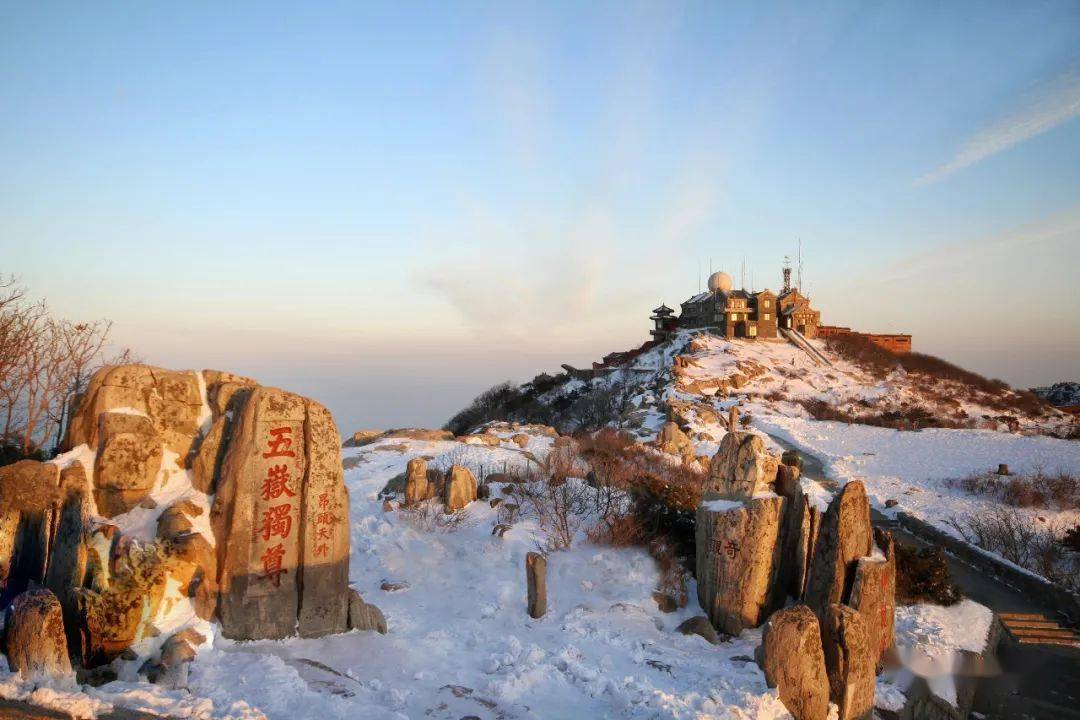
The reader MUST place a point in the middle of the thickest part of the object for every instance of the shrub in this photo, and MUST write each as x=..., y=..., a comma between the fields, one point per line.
x=488, y=405
x=1059, y=491
x=1021, y=538
x=923, y=576
x=880, y=362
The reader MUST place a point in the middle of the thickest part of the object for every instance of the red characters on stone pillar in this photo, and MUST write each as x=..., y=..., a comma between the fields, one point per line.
x=271, y=560
x=277, y=520
x=324, y=523
x=280, y=443
x=276, y=483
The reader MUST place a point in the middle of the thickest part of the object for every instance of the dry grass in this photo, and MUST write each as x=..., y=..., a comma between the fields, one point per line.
x=1025, y=540
x=1057, y=491
x=912, y=418
x=992, y=393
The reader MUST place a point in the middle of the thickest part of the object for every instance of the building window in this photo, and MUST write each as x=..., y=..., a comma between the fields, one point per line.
x=766, y=316
x=767, y=303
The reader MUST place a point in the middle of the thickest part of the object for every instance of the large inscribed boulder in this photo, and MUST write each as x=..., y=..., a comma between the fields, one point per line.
x=737, y=558
x=281, y=519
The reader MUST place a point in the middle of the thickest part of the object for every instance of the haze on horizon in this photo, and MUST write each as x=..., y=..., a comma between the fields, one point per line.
x=391, y=207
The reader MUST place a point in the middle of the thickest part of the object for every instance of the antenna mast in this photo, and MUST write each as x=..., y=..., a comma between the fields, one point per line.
x=800, y=266
x=742, y=274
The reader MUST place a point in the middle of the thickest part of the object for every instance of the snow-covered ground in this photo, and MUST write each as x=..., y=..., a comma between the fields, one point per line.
x=461, y=642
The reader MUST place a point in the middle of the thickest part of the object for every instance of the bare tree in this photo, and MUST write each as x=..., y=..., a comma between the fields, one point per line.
x=44, y=364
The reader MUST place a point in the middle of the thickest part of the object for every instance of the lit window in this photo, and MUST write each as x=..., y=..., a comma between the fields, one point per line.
x=766, y=316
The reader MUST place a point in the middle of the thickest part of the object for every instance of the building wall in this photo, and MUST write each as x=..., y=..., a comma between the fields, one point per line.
x=898, y=343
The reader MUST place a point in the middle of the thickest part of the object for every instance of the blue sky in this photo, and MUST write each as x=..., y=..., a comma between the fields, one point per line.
x=393, y=206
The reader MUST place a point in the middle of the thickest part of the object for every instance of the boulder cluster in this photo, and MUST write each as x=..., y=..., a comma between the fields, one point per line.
x=177, y=486
x=457, y=487
x=823, y=583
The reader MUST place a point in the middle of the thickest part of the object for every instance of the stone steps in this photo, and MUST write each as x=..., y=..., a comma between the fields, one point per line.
x=1034, y=629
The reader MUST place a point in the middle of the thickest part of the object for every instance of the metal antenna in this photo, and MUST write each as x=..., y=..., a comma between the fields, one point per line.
x=800, y=266
x=742, y=274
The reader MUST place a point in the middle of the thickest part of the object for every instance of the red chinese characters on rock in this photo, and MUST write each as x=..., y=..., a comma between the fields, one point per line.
x=324, y=524
x=272, y=561
x=276, y=520
x=279, y=443
x=729, y=547
x=276, y=483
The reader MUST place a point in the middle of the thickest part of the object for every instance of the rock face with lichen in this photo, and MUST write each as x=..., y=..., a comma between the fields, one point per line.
x=35, y=643
x=460, y=488
x=794, y=662
x=742, y=467
x=269, y=559
x=281, y=519
x=737, y=560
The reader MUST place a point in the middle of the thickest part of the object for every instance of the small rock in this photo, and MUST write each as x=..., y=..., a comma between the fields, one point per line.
x=665, y=602
x=393, y=586
x=891, y=503
x=699, y=625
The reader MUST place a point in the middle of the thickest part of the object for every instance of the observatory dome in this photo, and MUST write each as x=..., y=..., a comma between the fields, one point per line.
x=720, y=282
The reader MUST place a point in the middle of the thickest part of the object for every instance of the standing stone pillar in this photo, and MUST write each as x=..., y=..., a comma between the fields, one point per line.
x=850, y=661
x=282, y=523
x=845, y=536
x=257, y=519
x=416, y=483
x=794, y=663
x=324, y=575
x=873, y=594
x=536, y=577
x=737, y=558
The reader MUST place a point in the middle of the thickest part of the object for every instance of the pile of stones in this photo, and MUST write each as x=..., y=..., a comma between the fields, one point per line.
x=822, y=583
x=260, y=543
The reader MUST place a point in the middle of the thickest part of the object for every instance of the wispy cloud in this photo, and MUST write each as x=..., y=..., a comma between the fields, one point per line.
x=1063, y=225
x=1049, y=106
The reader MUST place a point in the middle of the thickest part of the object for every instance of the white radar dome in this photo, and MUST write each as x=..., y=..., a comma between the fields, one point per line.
x=720, y=282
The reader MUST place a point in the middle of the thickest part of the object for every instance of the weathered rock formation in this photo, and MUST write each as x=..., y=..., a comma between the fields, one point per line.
x=416, y=482
x=850, y=661
x=737, y=558
x=35, y=643
x=460, y=489
x=281, y=519
x=365, y=616
x=742, y=467
x=794, y=663
x=845, y=536
x=274, y=558
x=757, y=549
x=673, y=440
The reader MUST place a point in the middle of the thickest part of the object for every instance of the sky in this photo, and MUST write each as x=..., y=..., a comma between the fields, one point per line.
x=391, y=207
